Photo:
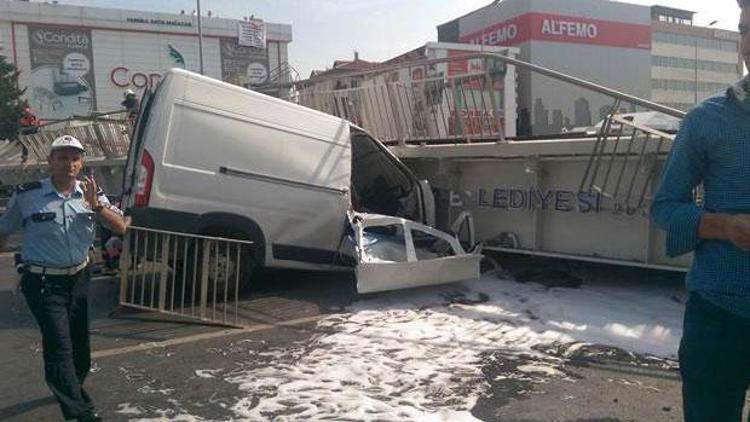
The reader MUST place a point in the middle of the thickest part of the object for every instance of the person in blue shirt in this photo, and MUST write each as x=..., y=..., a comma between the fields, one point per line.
x=58, y=216
x=712, y=148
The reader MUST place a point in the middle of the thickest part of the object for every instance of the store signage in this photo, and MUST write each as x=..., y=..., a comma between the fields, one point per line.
x=61, y=82
x=251, y=34
x=70, y=40
x=123, y=77
x=242, y=65
x=502, y=35
x=571, y=29
x=159, y=22
x=528, y=199
x=566, y=29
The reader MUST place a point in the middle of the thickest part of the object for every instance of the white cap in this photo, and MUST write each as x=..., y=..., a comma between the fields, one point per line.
x=66, y=141
x=129, y=92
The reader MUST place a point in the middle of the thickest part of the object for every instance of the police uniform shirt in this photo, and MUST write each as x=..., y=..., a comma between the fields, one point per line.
x=57, y=231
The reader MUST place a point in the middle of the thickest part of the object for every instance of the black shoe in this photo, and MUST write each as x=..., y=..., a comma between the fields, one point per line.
x=89, y=417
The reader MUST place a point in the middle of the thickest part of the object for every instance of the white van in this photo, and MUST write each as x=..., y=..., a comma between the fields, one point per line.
x=212, y=158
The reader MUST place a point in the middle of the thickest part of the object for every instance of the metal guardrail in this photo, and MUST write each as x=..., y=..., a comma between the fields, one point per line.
x=444, y=99
x=623, y=165
x=104, y=136
x=624, y=174
x=520, y=64
x=466, y=107
x=180, y=274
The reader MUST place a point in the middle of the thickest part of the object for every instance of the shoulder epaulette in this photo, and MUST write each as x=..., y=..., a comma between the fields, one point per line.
x=28, y=187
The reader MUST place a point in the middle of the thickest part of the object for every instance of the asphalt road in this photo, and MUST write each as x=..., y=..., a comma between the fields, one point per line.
x=149, y=362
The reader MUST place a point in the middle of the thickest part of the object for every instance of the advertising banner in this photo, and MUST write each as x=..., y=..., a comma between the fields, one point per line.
x=242, y=65
x=61, y=83
x=564, y=29
x=252, y=34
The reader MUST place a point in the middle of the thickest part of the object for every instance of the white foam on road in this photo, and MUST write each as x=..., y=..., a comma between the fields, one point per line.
x=405, y=356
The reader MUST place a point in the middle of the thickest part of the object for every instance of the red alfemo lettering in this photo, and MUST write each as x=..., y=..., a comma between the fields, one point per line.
x=570, y=29
x=497, y=36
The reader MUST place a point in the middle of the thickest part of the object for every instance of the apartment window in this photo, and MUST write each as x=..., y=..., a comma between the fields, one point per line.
x=680, y=63
x=709, y=43
x=682, y=85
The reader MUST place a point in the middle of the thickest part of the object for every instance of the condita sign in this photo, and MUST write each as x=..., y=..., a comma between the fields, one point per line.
x=560, y=28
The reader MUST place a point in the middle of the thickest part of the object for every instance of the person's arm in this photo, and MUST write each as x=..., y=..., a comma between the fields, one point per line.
x=674, y=208
x=110, y=216
x=11, y=220
x=734, y=228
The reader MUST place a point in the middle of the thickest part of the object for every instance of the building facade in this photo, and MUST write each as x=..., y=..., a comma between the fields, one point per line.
x=622, y=46
x=79, y=60
x=690, y=63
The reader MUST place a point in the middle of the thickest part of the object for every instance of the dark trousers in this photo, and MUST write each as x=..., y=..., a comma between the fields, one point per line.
x=60, y=307
x=714, y=362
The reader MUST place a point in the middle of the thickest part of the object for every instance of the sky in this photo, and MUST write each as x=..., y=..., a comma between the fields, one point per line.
x=328, y=30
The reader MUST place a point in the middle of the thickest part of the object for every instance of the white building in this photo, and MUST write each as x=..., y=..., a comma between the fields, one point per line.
x=649, y=52
x=690, y=63
x=79, y=60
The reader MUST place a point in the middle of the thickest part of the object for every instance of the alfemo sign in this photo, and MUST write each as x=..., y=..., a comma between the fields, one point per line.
x=537, y=26
x=509, y=33
x=505, y=34
x=570, y=29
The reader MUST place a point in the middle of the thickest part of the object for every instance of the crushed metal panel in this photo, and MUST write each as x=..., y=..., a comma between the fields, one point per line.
x=383, y=276
x=419, y=267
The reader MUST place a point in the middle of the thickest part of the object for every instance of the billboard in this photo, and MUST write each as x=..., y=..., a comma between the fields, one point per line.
x=61, y=81
x=242, y=65
x=251, y=34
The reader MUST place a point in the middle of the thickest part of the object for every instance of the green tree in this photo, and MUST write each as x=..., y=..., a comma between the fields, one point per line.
x=11, y=103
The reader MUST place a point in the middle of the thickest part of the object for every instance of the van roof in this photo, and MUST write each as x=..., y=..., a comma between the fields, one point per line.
x=179, y=72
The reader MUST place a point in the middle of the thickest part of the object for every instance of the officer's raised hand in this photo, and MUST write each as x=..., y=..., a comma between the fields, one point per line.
x=91, y=193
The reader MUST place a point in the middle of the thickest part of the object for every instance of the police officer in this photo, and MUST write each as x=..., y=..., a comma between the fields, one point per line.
x=58, y=216
x=131, y=103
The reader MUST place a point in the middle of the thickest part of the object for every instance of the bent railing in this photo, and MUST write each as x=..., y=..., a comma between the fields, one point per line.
x=185, y=275
x=623, y=165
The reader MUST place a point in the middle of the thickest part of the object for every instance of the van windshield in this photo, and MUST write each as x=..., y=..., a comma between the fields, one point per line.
x=379, y=184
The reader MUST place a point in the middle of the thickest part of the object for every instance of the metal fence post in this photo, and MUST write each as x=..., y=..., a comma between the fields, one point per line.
x=204, y=276
x=125, y=266
x=163, y=272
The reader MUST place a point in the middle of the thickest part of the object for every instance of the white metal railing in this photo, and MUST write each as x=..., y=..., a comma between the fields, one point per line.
x=186, y=275
x=466, y=107
x=104, y=136
x=624, y=164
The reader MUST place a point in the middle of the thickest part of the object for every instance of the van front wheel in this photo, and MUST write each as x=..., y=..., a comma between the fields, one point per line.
x=228, y=272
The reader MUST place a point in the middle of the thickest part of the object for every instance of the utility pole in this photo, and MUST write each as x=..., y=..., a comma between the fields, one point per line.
x=200, y=38
x=695, y=90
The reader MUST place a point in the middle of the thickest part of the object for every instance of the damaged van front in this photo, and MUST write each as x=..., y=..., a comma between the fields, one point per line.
x=395, y=253
x=392, y=249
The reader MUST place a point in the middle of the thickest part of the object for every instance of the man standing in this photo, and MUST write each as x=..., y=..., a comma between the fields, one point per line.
x=131, y=104
x=713, y=149
x=58, y=217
